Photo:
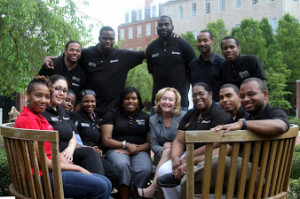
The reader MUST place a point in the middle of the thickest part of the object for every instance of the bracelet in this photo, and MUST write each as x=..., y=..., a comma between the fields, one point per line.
x=124, y=144
x=244, y=124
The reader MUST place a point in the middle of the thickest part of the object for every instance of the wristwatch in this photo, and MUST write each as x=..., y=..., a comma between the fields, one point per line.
x=244, y=124
x=124, y=144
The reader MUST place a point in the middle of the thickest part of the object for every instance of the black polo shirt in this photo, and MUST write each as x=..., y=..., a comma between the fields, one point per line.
x=60, y=120
x=168, y=63
x=207, y=71
x=75, y=77
x=243, y=67
x=242, y=113
x=213, y=117
x=88, y=128
x=132, y=129
x=107, y=75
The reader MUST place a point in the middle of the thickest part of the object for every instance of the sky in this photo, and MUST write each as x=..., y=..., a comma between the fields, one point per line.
x=108, y=12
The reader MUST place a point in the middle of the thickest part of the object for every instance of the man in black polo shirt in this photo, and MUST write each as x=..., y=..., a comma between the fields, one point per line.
x=168, y=58
x=106, y=69
x=238, y=67
x=67, y=66
x=207, y=67
x=263, y=119
x=230, y=101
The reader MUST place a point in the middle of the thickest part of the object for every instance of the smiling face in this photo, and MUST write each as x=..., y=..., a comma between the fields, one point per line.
x=202, y=99
x=107, y=40
x=229, y=100
x=88, y=104
x=60, y=89
x=38, y=99
x=69, y=102
x=253, y=99
x=73, y=52
x=205, y=43
x=167, y=102
x=230, y=50
x=164, y=28
x=130, y=102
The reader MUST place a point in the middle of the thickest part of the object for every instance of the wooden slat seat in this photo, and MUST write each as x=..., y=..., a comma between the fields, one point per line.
x=266, y=177
x=22, y=159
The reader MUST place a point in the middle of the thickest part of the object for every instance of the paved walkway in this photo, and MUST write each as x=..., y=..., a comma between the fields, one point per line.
x=298, y=139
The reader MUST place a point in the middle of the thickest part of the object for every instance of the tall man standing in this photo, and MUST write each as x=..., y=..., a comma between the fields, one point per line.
x=168, y=58
x=238, y=67
x=207, y=67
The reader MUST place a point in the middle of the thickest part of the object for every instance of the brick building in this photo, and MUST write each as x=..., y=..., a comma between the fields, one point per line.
x=194, y=15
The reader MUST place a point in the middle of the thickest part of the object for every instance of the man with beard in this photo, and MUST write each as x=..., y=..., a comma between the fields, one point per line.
x=67, y=66
x=168, y=58
x=230, y=101
x=207, y=67
x=263, y=119
x=106, y=69
x=238, y=67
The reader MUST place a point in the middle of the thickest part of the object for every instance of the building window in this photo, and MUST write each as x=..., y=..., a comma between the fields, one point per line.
x=222, y=5
x=131, y=49
x=122, y=34
x=130, y=33
x=180, y=12
x=195, y=34
x=139, y=31
x=140, y=15
x=139, y=49
x=194, y=9
x=169, y=12
x=207, y=6
x=148, y=29
x=254, y=2
x=237, y=25
x=273, y=22
x=237, y=3
x=153, y=11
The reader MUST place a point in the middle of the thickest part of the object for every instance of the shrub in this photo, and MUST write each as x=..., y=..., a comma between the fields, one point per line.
x=294, y=189
x=4, y=174
x=295, y=174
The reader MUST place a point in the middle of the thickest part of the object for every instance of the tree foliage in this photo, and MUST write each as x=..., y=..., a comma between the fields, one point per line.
x=190, y=37
x=139, y=78
x=30, y=30
x=219, y=31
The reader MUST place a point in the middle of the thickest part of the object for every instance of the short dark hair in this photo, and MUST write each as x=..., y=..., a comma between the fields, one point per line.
x=38, y=80
x=125, y=92
x=105, y=28
x=70, y=91
x=165, y=16
x=262, y=85
x=204, y=85
x=55, y=78
x=70, y=42
x=84, y=93
x=209, y=32
x=234, y=87
x=230, y=37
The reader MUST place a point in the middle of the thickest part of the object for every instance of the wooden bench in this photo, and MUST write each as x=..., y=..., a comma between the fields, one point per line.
x=22, y=157
x=270, y=167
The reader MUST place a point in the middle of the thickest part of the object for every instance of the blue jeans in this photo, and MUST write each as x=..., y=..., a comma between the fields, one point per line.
x=152, y=110
x=80, y=185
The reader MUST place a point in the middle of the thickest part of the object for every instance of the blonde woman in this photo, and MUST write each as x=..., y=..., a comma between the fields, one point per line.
x=163, y=129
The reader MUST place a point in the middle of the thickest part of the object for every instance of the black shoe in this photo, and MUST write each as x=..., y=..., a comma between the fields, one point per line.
x=168, y=180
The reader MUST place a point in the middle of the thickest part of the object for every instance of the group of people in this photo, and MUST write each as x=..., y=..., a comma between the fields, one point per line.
x=105, y=135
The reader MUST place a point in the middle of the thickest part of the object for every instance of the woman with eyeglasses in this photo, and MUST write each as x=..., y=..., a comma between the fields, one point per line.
x=77, y=181
x=88, y=124
x=60, y=120
x=204, y=116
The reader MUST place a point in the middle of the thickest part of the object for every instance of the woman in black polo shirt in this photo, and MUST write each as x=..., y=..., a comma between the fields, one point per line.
x=125, y=132
x=88, y=126
x=60, y=120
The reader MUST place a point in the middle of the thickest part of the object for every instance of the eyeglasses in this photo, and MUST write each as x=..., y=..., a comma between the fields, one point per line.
x=200, y=94
x=60, y=89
